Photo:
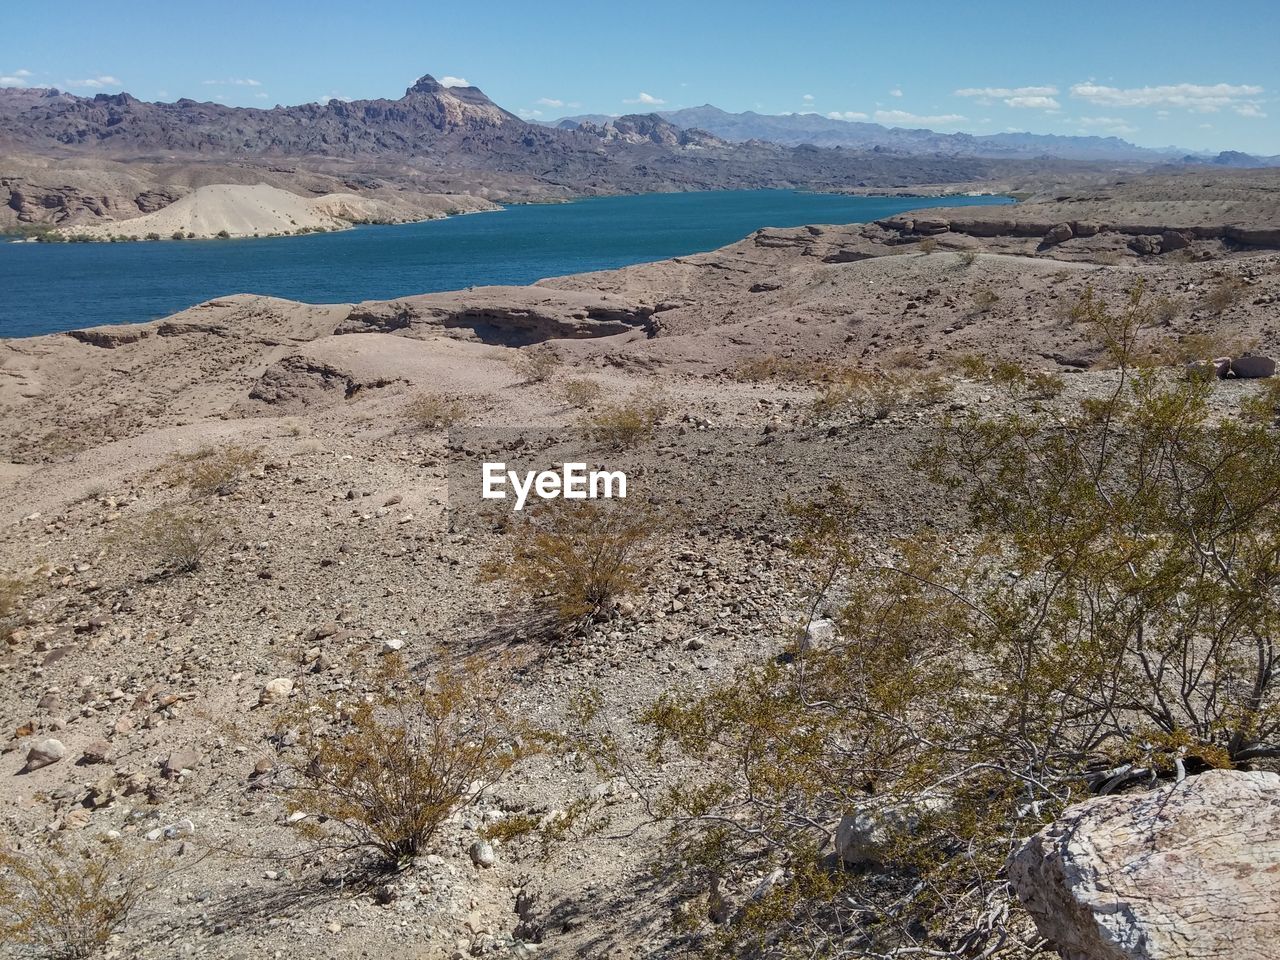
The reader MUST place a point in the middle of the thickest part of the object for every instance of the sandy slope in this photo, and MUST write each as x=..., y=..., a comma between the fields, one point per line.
x=242, y=210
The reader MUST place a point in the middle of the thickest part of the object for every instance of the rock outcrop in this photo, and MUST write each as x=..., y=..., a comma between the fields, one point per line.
x=508, y=315
x=1187, y=871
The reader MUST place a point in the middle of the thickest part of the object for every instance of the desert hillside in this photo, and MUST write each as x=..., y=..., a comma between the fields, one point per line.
x=334, y=451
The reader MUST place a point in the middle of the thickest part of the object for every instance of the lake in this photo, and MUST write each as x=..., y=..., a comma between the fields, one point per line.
x=50, y=287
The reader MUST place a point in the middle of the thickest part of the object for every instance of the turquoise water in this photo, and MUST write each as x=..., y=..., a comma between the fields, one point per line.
x=46, y=288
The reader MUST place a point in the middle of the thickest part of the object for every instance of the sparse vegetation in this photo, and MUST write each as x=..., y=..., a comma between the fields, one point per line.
x=538, y=364
x=380, y=773
x=1224, y=294
x=620, y=426
x=573, y=562
x=1105, y=619
x=433, y=411
x=581, y=392
x=177, y=540
x=63, y=904
x=213, y=471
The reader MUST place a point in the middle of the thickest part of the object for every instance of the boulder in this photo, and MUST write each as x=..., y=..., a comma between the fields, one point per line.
x=45, y=753
x=1145, y=245
x=1191, y=870
x=1253, y=367
x=1057, y=235
x=99, y=751
x=1172, y=240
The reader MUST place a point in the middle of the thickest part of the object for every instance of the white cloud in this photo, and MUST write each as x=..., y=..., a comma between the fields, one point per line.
x=102, y=80
x=895, y=92
x=454, y=82
x=1026, y=98
x=1202, y=98
x=847, y=115
x=901, y=118
x=1251, y=110
x=22, y=73
x=261, y=96
x=807, y=98
x=1001, y=93
x=1111, y=125
x=530, y=113
x=16, y=79
x=1033, y=103
x=646, y=98
x=233, y=82
x=550, y=102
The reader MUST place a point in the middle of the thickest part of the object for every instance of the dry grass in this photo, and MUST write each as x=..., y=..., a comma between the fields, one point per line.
x=581, y=392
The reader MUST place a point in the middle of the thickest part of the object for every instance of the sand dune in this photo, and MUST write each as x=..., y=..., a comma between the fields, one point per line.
x=240, y=210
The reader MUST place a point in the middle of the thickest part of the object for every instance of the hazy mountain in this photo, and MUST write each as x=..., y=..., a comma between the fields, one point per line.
x=794, y=129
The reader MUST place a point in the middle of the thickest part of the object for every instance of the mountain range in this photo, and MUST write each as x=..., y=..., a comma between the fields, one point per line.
x=445, y=133
x=795, y=129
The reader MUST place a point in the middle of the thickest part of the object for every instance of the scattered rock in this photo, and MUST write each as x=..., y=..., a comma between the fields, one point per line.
x=180, y=761
x=97, y=752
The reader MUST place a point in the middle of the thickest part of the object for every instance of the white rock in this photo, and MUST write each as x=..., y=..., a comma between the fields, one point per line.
x=44, y=753
x=482, y=854
x=1185, y=871
x=276, y=691
x=183, y=828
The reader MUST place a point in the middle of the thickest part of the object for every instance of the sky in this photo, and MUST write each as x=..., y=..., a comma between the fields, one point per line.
x=1201, y=76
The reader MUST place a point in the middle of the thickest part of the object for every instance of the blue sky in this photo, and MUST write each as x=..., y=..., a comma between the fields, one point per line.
x=1198, y=75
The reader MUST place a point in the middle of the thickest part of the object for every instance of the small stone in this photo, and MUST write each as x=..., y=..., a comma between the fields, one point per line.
x=97, y=752
x=44, y=753
x=180, y=761
x=482, y=854
x=276, y=691
x=180, y=829
x=393, y=645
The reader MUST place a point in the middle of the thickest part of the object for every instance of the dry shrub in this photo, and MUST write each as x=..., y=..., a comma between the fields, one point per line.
x=65, y=904
x=966, y=259
x=1018, y=382
x=620, y=426
x=538, y=364
x=1103, y=620
x=581, y=391
x=380, y=773
x=176, y=540
x=927, y=245
x=1224, y=294
x=573, y=562
x=212, y=471
x=433, y=411
x=1166, y=310
x=785, y=370
x=1207, y=345
x=876, y=394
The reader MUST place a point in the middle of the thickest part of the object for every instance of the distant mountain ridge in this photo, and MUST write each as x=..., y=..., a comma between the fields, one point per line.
x=448, y=138
x=796, y=129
